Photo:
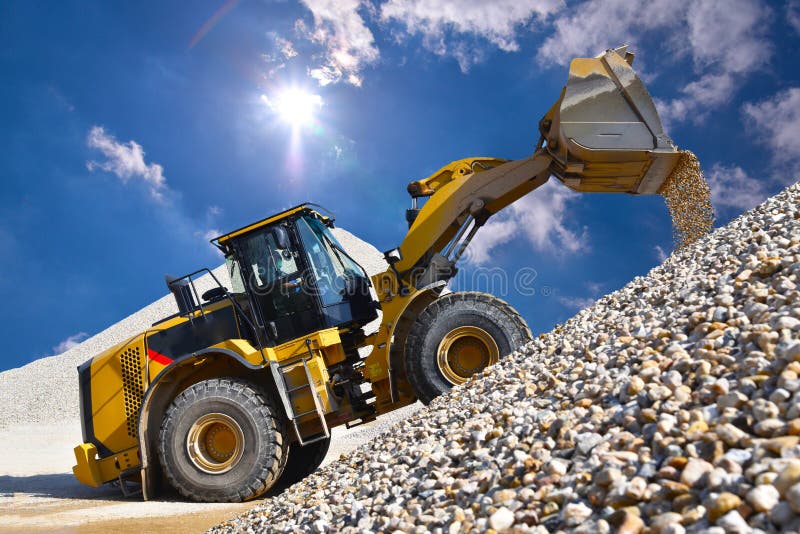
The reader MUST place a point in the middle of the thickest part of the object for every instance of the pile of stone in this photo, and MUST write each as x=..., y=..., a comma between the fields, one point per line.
x=671, y=405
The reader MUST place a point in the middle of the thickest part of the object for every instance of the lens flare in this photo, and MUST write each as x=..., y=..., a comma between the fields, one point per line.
x=295, y=106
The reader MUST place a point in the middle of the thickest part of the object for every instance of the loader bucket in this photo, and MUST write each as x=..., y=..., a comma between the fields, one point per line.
x=604, y=133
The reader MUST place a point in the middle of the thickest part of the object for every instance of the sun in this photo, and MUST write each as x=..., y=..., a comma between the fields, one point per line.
x=296, y=106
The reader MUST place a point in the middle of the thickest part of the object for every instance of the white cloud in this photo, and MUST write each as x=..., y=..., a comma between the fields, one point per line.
x=793, y=14
x=494, y=233
x=776, y=121
x=595, y=288
x=661, y=254
x=208, y=229
x=207, y=235
x=281, y=50
x=69, y=343
x=349, y=43
x=286, y=47
x=541, y=217
x=211, y=234
x=126, y=161
x=442, y=22
x=725, y=40
x=731, y=187
x=590, y=27
x=576, y=303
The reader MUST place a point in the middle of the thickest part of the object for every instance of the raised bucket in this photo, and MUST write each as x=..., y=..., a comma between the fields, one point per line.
x=604, y=132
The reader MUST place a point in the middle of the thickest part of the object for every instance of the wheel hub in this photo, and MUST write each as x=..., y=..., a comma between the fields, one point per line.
x=464, y=351
x=215, y=443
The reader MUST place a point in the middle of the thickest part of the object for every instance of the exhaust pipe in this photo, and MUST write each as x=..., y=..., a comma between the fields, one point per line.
x=604, y=133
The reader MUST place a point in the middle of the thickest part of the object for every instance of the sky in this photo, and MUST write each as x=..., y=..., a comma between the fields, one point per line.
x=134, y=132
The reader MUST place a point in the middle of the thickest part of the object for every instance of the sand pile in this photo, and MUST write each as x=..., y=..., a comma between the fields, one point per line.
x=673, y=404
x=46, y=390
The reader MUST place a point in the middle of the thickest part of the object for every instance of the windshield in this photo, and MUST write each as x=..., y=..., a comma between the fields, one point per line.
x=330, y=264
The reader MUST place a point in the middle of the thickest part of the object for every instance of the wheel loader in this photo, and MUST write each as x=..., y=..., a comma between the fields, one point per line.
x=237, y=393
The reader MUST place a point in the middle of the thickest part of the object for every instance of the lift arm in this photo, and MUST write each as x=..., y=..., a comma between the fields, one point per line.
x=603, y=134
x=458, y=205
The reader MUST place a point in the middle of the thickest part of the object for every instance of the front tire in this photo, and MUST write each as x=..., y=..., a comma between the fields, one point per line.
x=458, y=336
x=222, y=441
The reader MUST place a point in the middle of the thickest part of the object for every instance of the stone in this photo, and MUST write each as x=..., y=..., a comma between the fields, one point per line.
x=776, y=445
x=787, y=322
x=764, y=409
x=502, y=519
x=793, y=497
x=662, y=521
x=769, y=427
x=733, y=523
x=781, y=513
x=763, y=497
x=788, y=477
x=608, y=476
x=587, y=441
x=694, y=471
x=576, y=513
x=635, y=385
x=503, y=495
x=693, y=514
x=730, y=434
x=626, y=522
x=721, y=505
x=672, y=528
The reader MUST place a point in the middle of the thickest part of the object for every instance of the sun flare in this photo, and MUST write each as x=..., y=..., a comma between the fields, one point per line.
x=296, y=106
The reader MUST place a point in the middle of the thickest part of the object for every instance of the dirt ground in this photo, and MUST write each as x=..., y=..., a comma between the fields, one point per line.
x=39, y=494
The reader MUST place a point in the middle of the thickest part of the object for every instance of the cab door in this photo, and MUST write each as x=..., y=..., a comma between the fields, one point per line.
x=273, y=269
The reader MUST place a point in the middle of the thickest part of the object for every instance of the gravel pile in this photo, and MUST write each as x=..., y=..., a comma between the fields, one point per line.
x=670, y=405
x=46, y=390
x=688, y=199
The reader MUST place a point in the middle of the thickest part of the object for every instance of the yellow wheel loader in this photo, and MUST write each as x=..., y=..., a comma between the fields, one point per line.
x=237, y=392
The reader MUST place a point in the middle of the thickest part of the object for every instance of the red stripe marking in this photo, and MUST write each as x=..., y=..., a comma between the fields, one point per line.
x=158, y=357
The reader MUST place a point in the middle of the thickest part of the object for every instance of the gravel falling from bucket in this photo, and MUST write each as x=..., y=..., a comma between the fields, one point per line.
x=688, y=199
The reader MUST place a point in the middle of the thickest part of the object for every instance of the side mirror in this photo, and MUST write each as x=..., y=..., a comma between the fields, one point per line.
x=281, y=237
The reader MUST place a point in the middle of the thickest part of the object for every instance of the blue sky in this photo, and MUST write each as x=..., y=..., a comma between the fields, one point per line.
x=131, y=132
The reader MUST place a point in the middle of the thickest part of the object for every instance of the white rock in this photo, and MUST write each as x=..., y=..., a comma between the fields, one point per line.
x=502, y=519
x=763, y=497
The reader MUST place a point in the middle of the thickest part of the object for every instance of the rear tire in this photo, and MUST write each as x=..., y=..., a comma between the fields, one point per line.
x=302, y=462
x=222, y=441
x=457, y=336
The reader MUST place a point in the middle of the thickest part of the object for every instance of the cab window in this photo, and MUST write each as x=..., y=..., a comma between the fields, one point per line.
x=266, y=262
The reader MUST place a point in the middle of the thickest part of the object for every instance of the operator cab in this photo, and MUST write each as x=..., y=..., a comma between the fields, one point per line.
x=295, y=276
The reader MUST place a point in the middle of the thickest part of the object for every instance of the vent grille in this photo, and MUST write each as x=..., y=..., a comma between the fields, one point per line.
x=132, y=388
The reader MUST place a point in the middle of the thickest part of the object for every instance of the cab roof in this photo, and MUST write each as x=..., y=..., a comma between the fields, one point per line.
x=305, y=207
